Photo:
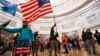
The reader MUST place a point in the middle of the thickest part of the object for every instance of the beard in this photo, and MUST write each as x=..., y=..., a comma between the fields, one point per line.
x=24, y=26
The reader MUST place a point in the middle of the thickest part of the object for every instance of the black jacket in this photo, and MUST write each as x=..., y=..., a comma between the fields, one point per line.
x=89, y=35
x=83, y=36
x=97, y=36
x=52, y=35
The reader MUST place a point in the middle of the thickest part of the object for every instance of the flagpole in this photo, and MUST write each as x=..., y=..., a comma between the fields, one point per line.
x=54, y=20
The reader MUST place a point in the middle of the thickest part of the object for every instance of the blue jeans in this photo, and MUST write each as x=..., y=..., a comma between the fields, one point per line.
x=86, y=45
x=69, y=46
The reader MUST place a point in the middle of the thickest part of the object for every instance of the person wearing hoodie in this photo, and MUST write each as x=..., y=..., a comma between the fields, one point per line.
x=23, y=40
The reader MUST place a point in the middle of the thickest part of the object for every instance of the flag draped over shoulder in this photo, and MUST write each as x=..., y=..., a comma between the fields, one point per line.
x=8, y=7
x=34, y=9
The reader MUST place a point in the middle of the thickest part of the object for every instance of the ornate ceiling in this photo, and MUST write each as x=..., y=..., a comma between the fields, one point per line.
x=60, y=8
x=67, y=7
x=69, y=15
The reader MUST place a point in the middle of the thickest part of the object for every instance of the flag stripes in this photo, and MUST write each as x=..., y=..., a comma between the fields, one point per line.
x=31, y=10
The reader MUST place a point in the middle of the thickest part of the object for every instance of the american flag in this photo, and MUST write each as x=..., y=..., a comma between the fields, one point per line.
x=34, y=9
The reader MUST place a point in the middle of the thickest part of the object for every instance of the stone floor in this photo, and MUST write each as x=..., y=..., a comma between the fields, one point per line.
x=71, y=53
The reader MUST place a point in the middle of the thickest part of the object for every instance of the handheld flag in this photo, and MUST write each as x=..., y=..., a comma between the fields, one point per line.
x=8, y=7
x=34, y=9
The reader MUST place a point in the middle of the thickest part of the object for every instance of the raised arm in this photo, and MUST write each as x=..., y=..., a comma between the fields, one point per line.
x=53, y=26
x=52, y=29
x=12, y=30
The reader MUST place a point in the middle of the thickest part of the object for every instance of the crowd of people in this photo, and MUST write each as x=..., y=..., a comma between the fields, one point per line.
x=27, y=42
x=90, y=40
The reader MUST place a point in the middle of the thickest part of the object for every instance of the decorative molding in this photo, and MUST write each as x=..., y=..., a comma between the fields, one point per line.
x=71, y=11
x=68, y=25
